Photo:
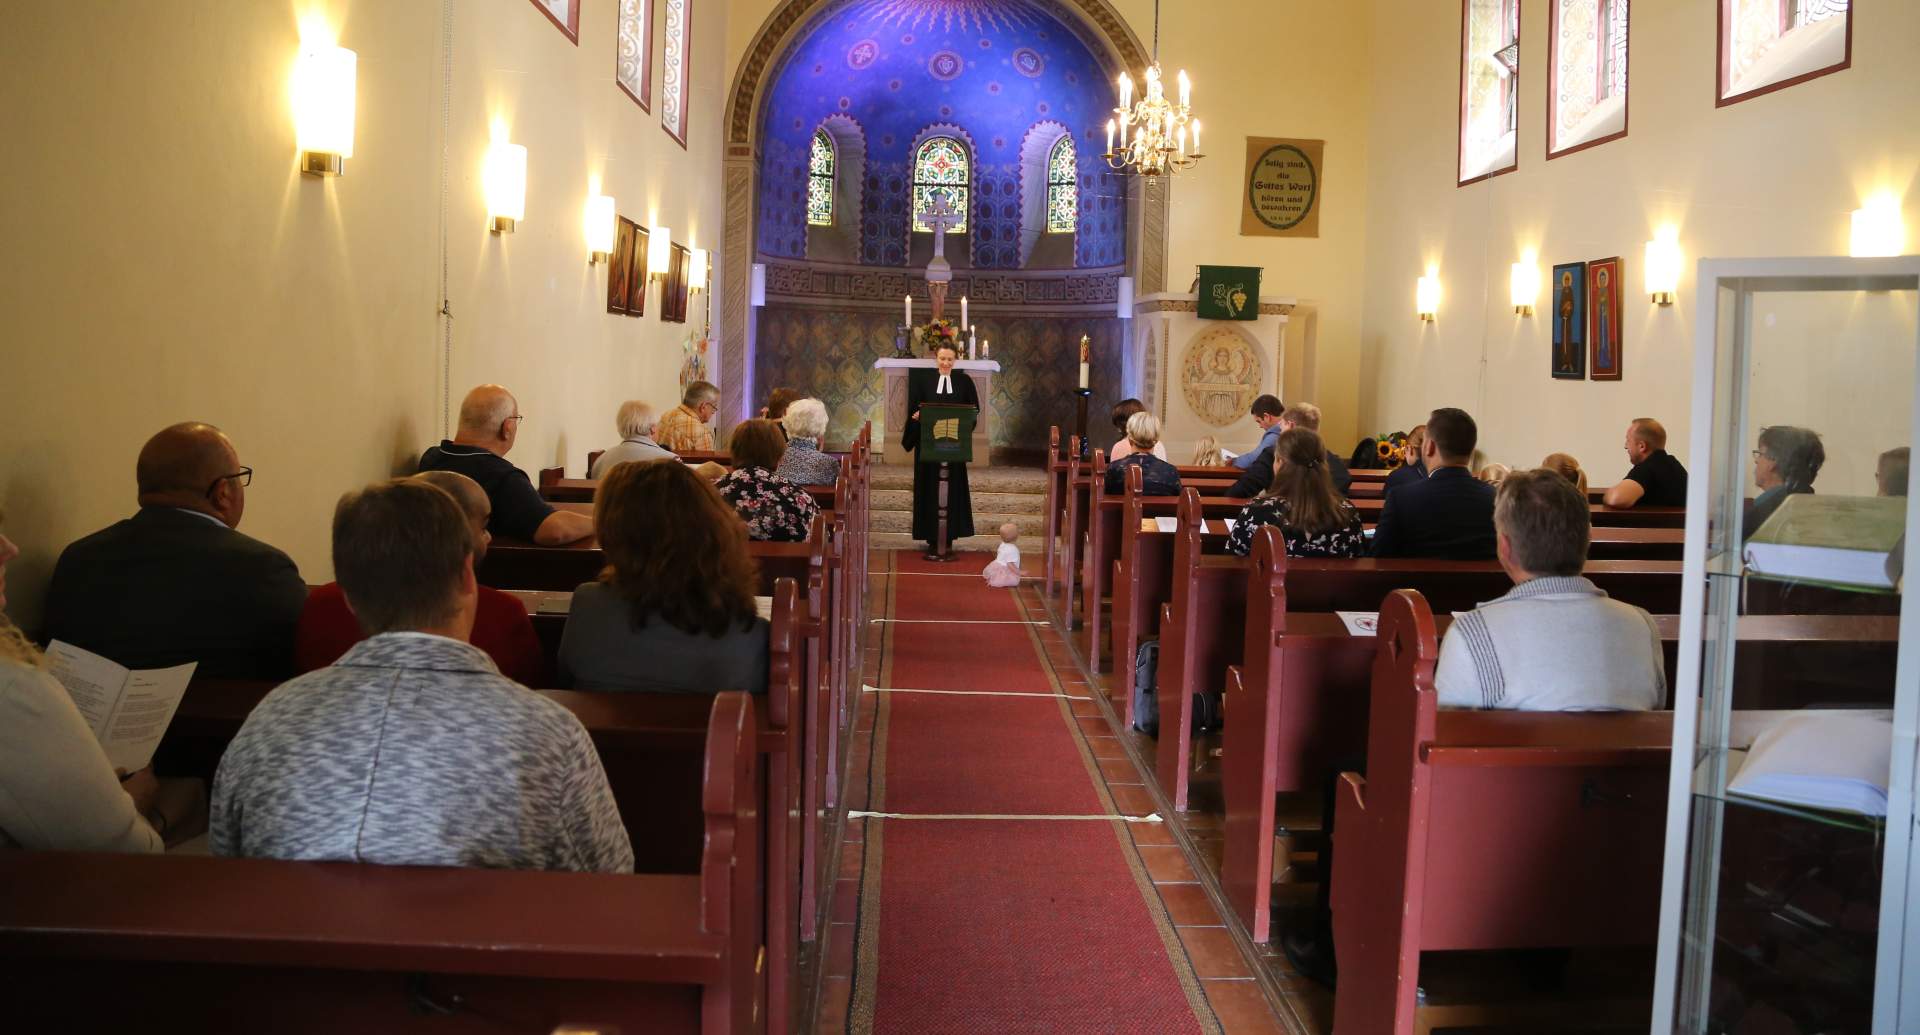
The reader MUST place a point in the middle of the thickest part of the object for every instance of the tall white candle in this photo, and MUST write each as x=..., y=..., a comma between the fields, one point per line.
x=1083, y=375
x=909, y=317
x=963, y=312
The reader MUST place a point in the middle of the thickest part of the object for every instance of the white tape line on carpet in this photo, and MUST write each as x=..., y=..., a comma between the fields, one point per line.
x=971, y=693
x=1151, y=817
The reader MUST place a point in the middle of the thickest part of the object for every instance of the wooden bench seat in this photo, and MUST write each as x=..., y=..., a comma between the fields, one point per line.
x=1485, y=830
x=97, y=940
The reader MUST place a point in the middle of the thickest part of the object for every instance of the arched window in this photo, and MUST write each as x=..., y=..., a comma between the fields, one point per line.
x=820, y=181
x=940, y=165
x=1063, y=192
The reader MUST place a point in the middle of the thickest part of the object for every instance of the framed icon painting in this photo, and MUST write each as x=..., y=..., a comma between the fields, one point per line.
x=1570, y=321
x=1603, y=319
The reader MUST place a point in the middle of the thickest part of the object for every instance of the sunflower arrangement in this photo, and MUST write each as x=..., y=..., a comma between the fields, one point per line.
x=935, y=333
x=1392, y=448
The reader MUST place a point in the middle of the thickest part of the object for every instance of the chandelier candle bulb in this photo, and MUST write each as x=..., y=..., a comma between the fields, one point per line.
x=1186, y=88
x=1110, y=129
x=1196, y=137
x=1126, y=90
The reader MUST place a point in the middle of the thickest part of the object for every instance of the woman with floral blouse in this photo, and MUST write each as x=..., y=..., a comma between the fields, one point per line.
x=774, y=508
x=1302, y=504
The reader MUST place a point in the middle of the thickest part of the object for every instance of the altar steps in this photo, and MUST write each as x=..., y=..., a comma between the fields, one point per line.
x=1000, y=494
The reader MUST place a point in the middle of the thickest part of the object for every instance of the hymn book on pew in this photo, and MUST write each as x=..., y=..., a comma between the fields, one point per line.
x=127, y=709
x=1840, y=541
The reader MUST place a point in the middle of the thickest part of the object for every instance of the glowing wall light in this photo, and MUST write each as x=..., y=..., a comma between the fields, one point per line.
x=598, y=225
x=1877, y=228
x=697, y=270
x=505, y=184
x=659, y=251
x=1426, y=295
x=1523, y=284
x=1663, y=266
x=323, y=105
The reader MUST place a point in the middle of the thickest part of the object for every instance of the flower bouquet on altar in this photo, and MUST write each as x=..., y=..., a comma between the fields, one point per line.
x=935, y=333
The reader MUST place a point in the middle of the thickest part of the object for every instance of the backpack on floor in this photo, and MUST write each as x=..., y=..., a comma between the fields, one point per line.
x=1146, y=702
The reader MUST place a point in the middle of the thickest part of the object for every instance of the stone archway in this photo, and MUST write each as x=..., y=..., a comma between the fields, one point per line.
x=1106, y=34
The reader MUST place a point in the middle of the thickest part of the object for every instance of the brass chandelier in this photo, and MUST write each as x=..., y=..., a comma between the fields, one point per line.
x=1154, y=136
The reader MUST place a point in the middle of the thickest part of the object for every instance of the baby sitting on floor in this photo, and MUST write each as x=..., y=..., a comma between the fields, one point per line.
x=1004, y=572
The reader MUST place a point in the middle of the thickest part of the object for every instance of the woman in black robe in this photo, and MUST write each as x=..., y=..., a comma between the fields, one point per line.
x=941, y=385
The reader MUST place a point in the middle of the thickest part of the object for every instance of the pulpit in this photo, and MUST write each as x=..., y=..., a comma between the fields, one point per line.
x=895, y=372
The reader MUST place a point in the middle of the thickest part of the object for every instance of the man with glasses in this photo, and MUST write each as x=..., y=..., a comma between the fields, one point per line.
x=490, y=420
x=684, y=430
x=175, y=582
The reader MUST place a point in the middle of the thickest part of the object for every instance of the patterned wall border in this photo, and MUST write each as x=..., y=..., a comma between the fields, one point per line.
x=879, y=286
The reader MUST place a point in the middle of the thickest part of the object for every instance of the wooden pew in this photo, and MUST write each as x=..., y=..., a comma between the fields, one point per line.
x=1603, y=517
x=1203, y=632
x=1073, y=510
x=1056, y=500
x=554, y=488
x=1300, y=702
x=97, y=940
x=1485, y=830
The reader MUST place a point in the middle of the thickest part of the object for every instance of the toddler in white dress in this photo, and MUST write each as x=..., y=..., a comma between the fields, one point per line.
x=1004, y=572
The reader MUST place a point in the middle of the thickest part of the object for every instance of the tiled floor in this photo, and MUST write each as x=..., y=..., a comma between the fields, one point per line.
x=1230, y=975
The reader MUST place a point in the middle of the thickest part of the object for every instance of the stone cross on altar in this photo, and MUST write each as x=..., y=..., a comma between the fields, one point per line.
x=940, y=217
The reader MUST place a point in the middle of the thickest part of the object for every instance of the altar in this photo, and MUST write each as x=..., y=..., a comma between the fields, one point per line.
x=895, y=371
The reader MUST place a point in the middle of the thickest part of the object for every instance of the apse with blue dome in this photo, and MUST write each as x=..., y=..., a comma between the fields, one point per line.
x=1004, y=78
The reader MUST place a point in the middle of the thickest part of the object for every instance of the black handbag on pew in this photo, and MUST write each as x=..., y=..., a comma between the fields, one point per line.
x=1146, y=698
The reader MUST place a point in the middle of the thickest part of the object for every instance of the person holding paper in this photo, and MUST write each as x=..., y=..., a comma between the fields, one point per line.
x=58, y=792
x=177, y=582
x=413, y=749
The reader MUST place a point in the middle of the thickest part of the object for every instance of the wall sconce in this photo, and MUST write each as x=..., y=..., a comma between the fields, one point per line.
x=757, y=285
x=1523, y=284
x=697, y=270
x=1426, y=296
x=323, y=103
x=1663, y=268
x=659, y=251
x=1877, y=228
x=505, y=183
x=598, y=224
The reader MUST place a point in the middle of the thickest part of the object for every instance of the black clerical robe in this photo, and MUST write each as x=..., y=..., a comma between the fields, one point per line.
x=923, y=387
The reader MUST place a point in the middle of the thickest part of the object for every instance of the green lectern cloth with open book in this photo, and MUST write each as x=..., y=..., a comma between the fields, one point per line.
x=946, y=437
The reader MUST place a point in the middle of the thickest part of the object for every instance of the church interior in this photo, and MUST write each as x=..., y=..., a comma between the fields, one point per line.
x=1108, y=799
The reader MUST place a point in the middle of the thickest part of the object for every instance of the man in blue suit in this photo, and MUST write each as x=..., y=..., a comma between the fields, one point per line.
x=1449, y=513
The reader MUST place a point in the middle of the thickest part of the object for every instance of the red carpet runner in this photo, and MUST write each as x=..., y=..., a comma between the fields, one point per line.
x=974, y=925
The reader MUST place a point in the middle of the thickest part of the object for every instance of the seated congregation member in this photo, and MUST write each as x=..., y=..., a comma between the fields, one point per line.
x=413, y=749
x=1206, y=452
x=175, y=582
x=1567, y=467
x=805, y=424
x=778, y=401
x=1494, y=474
x=328, y=628
x=1266, y=412
x=684, y=428
x=1785, y=464
x=1890, y=473
x=635, y=422
x=1123, y=411
x=1158, y=478
x=490, y=422
x=1555, y=642
x=674, y=611
x=1414, y=467
x=1449, y=513
x=1305, y=416
x=1656, y=479
x=58, y=792
x=1316, y=521
x=775, y=509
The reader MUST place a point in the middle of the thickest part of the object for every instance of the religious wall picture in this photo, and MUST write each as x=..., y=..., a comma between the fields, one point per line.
x=564, y=14
x=620, y=265
x=1570, y=321
x=641, y=277
x=673, y=297
x=1282, y=197
x=1603, y=321
x=1220, y=374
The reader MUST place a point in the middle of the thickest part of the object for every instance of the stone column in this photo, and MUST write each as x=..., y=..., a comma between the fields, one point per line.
x=737, y=317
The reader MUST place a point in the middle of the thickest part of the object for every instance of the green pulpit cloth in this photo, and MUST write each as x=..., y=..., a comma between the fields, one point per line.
x=1229, y=293
x=946, y=433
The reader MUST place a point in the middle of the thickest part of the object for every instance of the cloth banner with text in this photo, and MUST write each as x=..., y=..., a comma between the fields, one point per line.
x=1229, y=293
x=1282, y=197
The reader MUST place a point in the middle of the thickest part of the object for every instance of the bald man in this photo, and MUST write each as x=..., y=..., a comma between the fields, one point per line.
x=501, y=627
x=489, y=423
x=1656, y=479
x=175, y=582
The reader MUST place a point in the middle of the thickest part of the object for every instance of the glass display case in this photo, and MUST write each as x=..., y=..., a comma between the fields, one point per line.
x=1790, y=822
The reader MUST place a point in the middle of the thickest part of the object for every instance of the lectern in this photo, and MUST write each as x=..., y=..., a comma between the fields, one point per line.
x=946, y=437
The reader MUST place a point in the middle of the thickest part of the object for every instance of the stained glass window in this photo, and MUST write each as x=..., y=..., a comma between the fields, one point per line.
x=1613, y=29
x=673, y=78
x=1805, y=11
x=940, y=166
x=1063, y=195
x=820, y=181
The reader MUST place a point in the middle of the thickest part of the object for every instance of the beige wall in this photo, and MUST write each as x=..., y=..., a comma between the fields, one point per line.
x=1772, y=176
x=1261, y=71
x=167, y=262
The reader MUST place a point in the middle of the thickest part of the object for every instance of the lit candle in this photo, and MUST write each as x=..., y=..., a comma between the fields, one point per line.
x=1126, y=90
x=964, y=322
x=1196, y=136
x=1110, y=128
x=1083, y=374
x=1181, y=140
x=909, y=316
x=986, y=350
x=1186, y=88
